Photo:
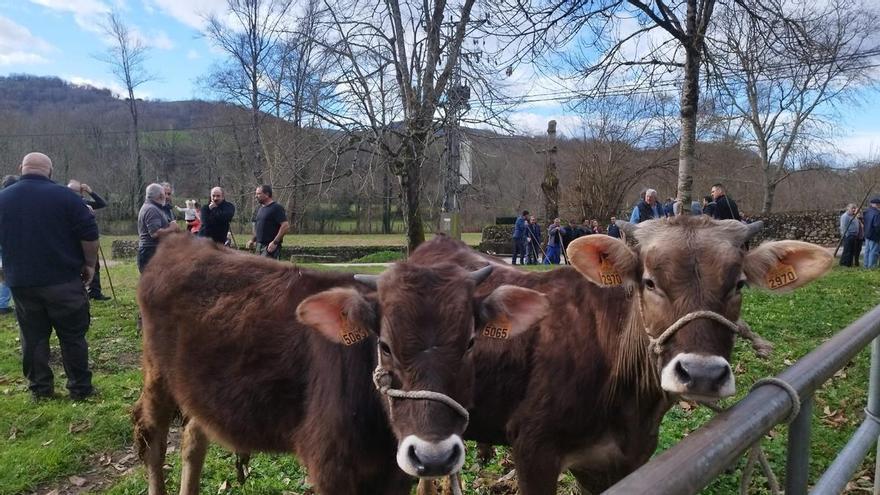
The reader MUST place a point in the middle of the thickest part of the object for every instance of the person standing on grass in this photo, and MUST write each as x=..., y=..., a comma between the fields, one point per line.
x=270, y=224
x=519, y=238
x=5, y=293
x=50, y=247
x=152, y=222
x=95, y=203
x=216, y=216
x=849, y=231
x=872, y=233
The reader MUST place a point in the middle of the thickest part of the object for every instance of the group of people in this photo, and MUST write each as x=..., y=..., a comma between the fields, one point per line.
x=528, y=242
x=858, y=229
x=49, y=252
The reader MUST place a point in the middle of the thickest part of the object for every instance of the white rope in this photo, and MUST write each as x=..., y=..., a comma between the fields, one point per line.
x=762, y=347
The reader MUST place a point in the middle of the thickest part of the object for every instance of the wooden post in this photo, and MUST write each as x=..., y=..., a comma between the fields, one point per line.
x=550, y=185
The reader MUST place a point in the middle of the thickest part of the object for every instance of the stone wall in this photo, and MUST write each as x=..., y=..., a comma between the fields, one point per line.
x=124, y=249
x=818, y=227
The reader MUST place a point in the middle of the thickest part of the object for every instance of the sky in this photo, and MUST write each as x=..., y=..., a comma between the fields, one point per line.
x=63, y=38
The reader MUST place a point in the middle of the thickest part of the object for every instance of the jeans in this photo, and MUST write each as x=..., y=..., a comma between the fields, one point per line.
x=263, y=250
x=64, y=307
x=519, y=248
x=872, y=251
x=5, y=296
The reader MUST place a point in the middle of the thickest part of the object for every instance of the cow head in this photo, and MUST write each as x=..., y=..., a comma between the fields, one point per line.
x=693, y=264
x=426, y=320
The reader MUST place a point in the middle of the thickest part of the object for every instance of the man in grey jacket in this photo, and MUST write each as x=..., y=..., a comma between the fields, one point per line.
x=849, y=231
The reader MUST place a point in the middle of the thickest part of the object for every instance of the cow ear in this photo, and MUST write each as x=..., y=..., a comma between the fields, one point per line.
x=510, y=310
x=342, y=315
x=603, y=260
x=785, y=265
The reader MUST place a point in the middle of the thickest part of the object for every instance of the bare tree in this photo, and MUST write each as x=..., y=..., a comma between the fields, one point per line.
x=253, y=31
x=615, y=152
x=784, y=90
x=126, y=56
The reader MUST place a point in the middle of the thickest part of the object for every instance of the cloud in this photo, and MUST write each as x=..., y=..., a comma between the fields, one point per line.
x=88, y=14
x=159, y=40
x=18, y=46
x=191, y=13
x=192, y=55
x=113, y=86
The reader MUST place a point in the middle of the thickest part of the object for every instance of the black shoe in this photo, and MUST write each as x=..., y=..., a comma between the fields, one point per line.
x=99, y=297
x=6, y=311
x=42, y=396
x=79, y=396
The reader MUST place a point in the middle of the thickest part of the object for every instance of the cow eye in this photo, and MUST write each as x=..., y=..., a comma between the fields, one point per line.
x=649, y=284
x=385, y=348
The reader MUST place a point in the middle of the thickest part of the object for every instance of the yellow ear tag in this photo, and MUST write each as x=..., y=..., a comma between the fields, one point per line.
x=351, y=335
x=499, y=328
x=781, y=276
x=607, y=274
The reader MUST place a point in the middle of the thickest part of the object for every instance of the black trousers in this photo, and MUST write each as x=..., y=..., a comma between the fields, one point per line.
x=519, y=248
x=95, y=284
x=145, y=254
x=64, y=307
x=849, y=248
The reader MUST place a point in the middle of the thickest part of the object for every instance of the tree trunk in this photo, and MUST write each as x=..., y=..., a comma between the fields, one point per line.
x=690, y=94
x=550, y=185
x=411, y=184
x=386, y=203
x=769, y=192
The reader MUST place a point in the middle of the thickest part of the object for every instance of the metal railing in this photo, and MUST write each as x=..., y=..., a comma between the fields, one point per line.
x=696, y=460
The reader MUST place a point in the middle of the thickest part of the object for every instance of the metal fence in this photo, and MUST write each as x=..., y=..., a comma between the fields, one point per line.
x=691, y=464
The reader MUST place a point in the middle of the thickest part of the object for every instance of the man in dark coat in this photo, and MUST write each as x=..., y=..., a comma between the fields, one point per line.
x=725, y=208
x=519, y=238
x=872, y=233
x=215, y=217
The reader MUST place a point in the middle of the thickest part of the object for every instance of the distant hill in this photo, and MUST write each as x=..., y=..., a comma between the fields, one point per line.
x=28, y=95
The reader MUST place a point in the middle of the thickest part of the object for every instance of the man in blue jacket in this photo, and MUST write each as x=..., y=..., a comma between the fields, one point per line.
x=519, y=238
x=872, y=233
x=50, y=248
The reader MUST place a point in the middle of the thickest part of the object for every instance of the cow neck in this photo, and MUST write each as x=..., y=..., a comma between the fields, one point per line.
x=634, y=374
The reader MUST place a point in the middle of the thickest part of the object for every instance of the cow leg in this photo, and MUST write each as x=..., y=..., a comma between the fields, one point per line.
x=152, y=415
x=193, y=447
x=537, y=469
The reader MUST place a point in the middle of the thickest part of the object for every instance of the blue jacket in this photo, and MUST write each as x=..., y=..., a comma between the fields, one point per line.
x=41, y=226
x=872, y=224
x=519, y=228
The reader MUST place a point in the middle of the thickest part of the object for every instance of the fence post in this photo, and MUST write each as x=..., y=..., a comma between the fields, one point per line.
x=797, y=464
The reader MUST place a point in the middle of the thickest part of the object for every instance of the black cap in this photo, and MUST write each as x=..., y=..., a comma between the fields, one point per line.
x=875, y=201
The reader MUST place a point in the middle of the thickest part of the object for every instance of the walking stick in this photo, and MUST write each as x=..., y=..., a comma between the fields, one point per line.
x=861, y=205
x=107, y=271
x=564, y=251
x=535, y=241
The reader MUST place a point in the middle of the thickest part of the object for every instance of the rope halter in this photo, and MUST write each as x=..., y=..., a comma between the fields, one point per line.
x=762, y=347
x=382, y=381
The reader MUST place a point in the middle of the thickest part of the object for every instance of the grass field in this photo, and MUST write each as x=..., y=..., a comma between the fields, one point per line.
x=59, y=443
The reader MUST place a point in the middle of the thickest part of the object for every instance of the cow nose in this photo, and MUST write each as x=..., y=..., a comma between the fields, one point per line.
x=701, y=376
x=431, y=459
x=434, y=463
x=698, y=375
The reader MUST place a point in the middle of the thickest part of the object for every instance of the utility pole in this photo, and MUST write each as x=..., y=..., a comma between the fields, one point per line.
x=458, y=93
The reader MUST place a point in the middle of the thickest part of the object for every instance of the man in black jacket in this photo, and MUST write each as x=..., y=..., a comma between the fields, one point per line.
x=96, y=203
x=216, y=216
x=725, y=208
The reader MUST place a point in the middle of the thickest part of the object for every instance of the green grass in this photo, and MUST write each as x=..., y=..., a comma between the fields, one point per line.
x=46, y=442
x=380, y=257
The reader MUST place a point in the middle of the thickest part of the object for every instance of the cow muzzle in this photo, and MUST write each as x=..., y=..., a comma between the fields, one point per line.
x=698, y=376
x=418, y=457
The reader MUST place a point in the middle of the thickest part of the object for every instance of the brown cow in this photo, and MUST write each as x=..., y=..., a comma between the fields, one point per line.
x=582, y=392
x=223, y=346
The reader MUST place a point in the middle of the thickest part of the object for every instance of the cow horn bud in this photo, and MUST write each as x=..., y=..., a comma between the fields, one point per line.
x=753, y=228
x=482, y=274
x=370, y=280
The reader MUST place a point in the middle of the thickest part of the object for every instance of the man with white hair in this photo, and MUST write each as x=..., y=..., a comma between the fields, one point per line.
x=152, y=222
x=50, y=248
x=216, y=216
x=647, y=208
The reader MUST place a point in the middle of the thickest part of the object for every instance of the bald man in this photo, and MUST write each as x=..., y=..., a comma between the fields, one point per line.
x=50, y=249
x=216, y=216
